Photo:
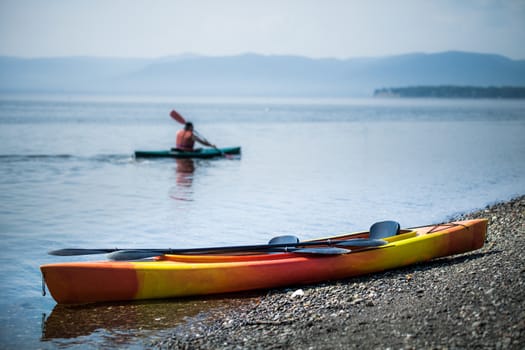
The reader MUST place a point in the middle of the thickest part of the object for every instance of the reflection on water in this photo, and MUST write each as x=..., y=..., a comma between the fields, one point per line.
x=184, y=171
x=116, y=324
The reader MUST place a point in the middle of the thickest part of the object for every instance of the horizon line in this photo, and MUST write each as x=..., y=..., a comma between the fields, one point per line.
x=190, y=55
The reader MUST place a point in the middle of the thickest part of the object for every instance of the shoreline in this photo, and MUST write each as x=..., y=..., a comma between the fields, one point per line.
x=472, y=300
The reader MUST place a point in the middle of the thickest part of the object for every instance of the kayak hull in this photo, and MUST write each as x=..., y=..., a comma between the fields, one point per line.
x=202, y=153
x=172, y=276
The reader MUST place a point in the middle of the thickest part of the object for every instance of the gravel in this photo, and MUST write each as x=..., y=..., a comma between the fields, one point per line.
x=473, y=300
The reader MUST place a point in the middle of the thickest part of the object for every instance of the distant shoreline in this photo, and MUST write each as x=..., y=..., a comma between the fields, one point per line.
x=452, y=91
x=256, y=74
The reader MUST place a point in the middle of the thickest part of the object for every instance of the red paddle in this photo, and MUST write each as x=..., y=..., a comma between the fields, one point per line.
x=175, y=115
x=180, y=119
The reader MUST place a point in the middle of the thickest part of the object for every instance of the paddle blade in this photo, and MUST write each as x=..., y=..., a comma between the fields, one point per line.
x=123, y=255
x=288, y=239
x=79, y=251
x=177, y=117
x=361, y=242
x=316, y=251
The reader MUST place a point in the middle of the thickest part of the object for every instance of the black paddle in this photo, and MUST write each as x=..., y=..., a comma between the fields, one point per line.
x=355, y=242
x=123, y=255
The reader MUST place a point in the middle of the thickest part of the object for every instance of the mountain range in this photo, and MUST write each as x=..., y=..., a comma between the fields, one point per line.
x=256, y=75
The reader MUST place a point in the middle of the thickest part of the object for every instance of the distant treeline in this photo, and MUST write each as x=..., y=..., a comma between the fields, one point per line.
x=453, y=92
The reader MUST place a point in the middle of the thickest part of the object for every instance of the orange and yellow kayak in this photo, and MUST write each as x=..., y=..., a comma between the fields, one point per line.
x=170, y=276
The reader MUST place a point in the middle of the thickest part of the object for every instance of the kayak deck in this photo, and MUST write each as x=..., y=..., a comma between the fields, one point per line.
x=200, y=153
x=171, y=276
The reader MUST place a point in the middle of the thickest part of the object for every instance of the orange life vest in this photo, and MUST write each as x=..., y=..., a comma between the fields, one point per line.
x=185, y=140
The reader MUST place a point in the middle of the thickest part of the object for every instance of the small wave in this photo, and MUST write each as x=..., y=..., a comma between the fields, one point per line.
x=24, y=157
x=113, y=158
x=51, y=157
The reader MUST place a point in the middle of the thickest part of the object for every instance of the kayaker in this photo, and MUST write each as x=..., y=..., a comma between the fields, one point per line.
x=186, y=139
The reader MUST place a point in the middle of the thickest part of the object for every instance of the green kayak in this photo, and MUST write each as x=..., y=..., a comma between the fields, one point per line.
x=199, y=153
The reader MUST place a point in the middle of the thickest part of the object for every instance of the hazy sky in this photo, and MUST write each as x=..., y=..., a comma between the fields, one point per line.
x=315, y=28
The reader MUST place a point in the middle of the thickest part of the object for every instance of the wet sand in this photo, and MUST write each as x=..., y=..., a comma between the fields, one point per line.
x=473, y=300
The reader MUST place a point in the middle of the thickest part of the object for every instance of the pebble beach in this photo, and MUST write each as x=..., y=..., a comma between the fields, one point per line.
x=473, y=300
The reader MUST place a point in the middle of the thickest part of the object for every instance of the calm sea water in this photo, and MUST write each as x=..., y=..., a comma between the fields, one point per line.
x=308, y=167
